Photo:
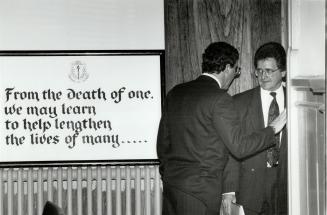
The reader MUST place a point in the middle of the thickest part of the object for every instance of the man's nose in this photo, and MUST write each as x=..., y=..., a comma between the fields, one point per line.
x=265, y=75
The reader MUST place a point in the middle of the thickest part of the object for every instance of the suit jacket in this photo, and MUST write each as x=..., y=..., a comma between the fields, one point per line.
x=198, y=128
x=245, y=176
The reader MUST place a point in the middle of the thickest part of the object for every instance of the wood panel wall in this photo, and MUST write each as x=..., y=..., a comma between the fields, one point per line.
x=191, y=25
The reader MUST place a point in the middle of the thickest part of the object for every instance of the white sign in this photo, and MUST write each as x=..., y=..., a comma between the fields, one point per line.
x=79, y=107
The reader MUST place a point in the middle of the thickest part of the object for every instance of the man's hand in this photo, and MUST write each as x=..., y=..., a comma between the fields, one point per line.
x=279, y=123
x=226, y=203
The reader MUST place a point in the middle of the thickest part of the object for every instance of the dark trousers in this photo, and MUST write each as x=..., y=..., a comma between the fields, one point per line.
x=269, y=205
x=259, y=196
x=177, y=202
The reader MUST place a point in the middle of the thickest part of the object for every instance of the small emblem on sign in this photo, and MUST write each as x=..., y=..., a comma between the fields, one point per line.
x=78, y=72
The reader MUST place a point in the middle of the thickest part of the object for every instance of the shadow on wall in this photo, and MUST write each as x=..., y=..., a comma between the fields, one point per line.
x=52, y=209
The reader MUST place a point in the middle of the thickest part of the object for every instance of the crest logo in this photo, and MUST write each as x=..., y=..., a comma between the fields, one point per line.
x=78, y=72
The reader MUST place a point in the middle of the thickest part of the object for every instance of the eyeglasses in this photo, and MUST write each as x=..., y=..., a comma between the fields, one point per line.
x=268, y=72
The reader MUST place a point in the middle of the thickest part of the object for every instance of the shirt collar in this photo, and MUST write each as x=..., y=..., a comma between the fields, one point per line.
x=212, y=76
x=278, y=91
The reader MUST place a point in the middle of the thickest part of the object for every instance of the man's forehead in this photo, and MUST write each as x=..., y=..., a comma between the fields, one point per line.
x=267, y=62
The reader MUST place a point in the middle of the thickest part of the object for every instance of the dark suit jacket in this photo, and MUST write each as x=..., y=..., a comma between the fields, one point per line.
x=198, y=127
x=246, y=176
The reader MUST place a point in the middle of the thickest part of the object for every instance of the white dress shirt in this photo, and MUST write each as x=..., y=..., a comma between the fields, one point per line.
x=212, y=76
x=266, y=99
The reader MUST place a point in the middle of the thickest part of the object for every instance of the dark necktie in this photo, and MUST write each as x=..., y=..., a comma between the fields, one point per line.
x=273, y=153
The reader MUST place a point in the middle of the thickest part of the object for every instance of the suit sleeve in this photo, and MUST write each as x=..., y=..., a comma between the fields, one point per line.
x=227, y=124
x=163, y=140
x=231, y=175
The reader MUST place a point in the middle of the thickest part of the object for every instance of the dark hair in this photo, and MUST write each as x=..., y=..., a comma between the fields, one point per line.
x=271, y=50
x=217, y=55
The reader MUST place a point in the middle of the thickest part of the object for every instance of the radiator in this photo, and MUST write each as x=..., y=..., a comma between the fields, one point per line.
x=82, y=190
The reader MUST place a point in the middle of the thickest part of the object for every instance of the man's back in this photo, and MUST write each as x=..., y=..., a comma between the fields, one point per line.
x=197, y=156
x=190, y=116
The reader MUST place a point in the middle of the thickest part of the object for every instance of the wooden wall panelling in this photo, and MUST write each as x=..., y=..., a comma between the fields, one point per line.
x=172, y=59
x=266, y=21
x=266, y=26
x=246, y=79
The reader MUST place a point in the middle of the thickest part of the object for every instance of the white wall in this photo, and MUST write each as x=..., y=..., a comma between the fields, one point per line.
x=81, y=24
x=307, y=37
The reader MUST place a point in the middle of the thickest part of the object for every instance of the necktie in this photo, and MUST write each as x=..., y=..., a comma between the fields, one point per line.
x=273, y=153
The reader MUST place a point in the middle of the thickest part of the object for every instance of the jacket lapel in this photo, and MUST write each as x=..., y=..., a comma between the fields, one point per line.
x=284, y=131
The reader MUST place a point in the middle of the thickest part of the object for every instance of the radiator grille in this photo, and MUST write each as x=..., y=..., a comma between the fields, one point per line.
x=98, y=190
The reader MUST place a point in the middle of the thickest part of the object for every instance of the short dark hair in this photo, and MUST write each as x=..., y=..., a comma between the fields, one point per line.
x=217, y=55
x=271, y=50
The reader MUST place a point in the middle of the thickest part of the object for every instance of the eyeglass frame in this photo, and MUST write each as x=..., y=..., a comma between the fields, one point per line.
x=268, y=72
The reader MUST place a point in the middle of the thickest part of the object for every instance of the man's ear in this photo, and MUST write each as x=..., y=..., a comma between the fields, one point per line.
x=283, y=73
x=227, y=67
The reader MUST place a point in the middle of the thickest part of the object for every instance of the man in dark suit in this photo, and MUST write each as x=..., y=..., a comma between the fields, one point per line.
x=198, y=128
x=261, y=179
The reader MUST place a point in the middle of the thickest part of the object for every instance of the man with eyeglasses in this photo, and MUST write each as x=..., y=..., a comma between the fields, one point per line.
x=260, y=180
x=198, y=128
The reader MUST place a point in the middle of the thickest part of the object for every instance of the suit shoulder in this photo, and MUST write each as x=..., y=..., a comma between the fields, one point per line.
x=244, y=99
x=245, y=95
x=177, y=88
